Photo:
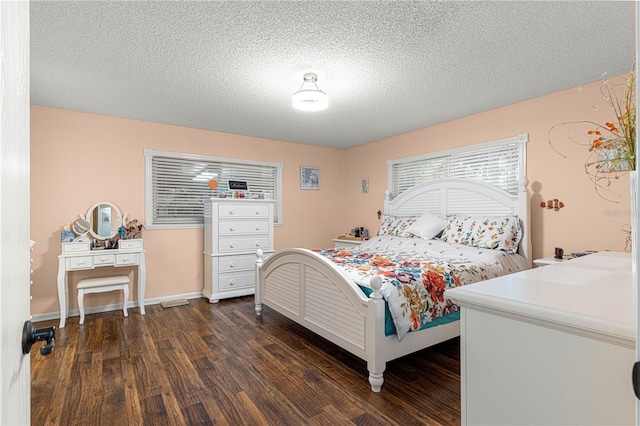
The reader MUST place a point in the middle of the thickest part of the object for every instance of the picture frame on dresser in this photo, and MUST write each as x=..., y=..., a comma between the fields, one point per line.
x=68, y=236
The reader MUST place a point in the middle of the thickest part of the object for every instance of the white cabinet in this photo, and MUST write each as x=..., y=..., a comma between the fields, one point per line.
x=233, y=230
x=552, y=345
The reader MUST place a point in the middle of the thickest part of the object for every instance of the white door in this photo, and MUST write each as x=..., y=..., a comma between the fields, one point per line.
x=15, y=399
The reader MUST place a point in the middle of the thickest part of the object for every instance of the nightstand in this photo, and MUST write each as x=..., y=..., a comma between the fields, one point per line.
x=545, y=261
x=340, y=243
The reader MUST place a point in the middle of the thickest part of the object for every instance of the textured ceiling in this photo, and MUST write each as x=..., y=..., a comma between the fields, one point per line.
x=388, y=67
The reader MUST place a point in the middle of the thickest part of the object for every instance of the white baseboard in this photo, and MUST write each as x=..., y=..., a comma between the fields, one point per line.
x=113, y=307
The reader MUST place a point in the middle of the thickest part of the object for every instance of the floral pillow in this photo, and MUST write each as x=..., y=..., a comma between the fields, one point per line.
x=388, y=224
x=493, y=232
x=396, y=225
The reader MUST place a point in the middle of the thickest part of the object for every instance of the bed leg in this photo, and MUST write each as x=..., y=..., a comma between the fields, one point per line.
x=258, y=308
x=376, y=362
x=376, y=380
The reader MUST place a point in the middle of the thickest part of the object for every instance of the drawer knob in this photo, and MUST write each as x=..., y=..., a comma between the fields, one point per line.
x=230, y=211
x=231, y=283
x=231, y=228
x=257, y=227
x=231, y=265
x=81, y=262
x=231, y=245
x=257, y=243
x=257, y=212
x=126, y=259
x=102, y=259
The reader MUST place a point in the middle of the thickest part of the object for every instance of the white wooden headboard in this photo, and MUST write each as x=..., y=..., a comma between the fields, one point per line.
x=457, y=197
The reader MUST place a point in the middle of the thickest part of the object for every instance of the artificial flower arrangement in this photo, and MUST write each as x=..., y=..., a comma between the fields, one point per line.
x=612, y=146
x=131, y=230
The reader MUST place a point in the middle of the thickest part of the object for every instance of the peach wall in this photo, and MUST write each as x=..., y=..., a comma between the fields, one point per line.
x=586, y=223
x=78, y=159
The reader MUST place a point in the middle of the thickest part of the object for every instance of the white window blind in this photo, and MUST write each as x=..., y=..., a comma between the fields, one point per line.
x=177, y=185
x=500, y=163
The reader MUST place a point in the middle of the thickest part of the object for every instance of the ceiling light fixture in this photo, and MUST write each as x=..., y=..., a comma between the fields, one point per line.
x=309, y=97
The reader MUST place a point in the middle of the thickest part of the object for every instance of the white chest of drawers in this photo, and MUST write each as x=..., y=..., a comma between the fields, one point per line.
x=233, y=231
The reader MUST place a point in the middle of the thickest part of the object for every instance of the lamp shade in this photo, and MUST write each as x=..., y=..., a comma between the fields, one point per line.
x=309, y=97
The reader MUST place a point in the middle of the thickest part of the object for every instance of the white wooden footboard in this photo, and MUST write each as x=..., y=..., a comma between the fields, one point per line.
x=308, y=289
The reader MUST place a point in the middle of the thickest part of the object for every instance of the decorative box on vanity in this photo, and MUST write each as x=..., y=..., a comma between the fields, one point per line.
x=233, y=230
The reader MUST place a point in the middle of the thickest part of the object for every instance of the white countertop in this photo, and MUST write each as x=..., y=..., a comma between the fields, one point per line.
x=590, y=294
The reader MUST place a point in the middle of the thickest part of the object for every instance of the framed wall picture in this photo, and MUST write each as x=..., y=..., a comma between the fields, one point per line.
x=309, y=177
x=365, y=186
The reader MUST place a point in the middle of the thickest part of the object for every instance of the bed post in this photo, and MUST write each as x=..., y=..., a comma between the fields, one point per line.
x=524, y=206
x=376, y=362
x=258, y=284
x=387, y=201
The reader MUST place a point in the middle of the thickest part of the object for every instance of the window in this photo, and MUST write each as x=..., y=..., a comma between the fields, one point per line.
x=501, y=163
x=176, y=186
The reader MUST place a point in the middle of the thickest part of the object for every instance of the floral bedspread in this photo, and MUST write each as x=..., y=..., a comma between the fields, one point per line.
x=416, y=274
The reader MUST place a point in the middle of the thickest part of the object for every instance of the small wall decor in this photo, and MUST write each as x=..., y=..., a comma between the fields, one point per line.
x=552, y=204
x=309, y=177
x=365, y=186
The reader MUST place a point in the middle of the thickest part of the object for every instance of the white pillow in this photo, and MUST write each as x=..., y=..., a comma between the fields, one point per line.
x=427, y=226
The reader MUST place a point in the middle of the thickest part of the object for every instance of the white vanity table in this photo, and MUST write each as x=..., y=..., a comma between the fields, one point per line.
x=103, y=222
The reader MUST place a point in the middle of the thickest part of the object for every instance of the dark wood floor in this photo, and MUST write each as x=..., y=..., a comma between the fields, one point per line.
x=207, y=363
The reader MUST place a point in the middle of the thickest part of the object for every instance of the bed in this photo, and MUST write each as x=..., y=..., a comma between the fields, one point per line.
x=314, y=289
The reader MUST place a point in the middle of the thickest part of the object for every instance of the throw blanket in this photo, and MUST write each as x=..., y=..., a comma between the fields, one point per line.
x=414, y=280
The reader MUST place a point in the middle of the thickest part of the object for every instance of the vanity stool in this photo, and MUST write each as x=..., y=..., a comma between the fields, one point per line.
x=101, y=285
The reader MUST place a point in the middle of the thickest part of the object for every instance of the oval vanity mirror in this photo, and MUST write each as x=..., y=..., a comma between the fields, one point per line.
x=104, y=220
